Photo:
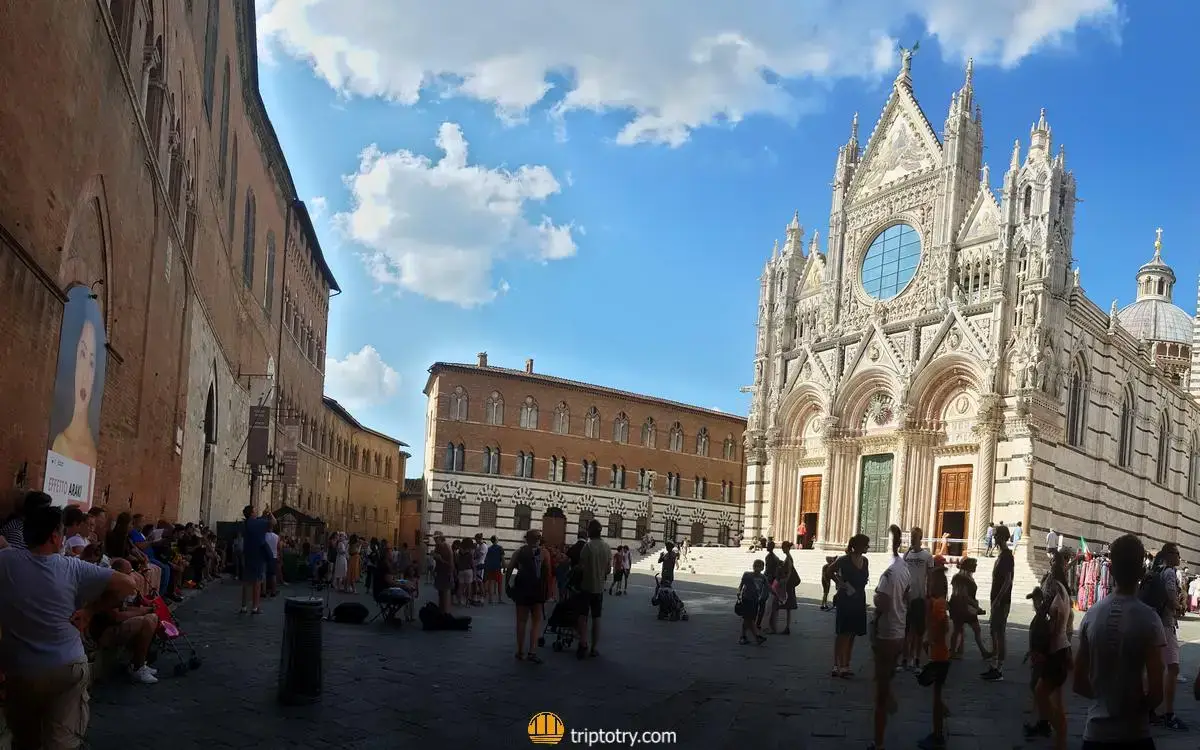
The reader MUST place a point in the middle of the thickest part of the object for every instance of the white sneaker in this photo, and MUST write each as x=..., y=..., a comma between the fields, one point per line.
x=142, y=675
x=152, y=670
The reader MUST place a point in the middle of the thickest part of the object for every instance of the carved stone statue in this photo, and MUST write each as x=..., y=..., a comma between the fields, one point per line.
x=1029, y=313
x=960, y=297
x=1035, y=265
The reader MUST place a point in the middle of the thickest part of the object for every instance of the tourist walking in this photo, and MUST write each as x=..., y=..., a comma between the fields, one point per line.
x=628, y=555
x=493, y=564
x=1050, y=653
x=936, y=670
x=667, y=560
x=1162, y=594
x=618, y=570
x=353, y=563
x=1119, y=665
x=965, y=609
x=990, y=539
x=595, y=561
x=887, y=642
x=1003, y=571
x=920, y=563
x=41, y=654
x=528, y=592
x=341, y=566
x=786, y=581
x=770, y=570
x=443, y=570
x=852, y=576
x=752, y=593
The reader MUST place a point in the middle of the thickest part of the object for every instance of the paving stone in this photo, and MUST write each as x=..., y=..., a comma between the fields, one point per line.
x=399, y=687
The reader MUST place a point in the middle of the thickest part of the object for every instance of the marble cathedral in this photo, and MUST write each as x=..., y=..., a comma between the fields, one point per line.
x=938, y=364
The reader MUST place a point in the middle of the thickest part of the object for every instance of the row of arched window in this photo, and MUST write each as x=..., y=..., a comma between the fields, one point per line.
x=1127, y=413
x=560, y=422
x=337, y=511
x=615, y=528
x=322, y=437
x=586, y=473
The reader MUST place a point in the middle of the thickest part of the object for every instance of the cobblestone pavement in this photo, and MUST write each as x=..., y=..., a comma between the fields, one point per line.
x=388, y=688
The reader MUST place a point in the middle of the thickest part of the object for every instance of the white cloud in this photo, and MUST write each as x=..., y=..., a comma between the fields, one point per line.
x=318, y=204
x=671, y=65
x=436, y=228
x=361, y=380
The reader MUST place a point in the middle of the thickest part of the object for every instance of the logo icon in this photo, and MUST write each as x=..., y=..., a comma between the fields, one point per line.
x=546, y=728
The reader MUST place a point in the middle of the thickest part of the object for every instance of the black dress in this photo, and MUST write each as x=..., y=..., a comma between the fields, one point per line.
x=852, y=607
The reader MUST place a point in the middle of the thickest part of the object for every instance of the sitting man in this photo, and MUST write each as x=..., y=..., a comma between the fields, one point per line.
x=128, y=626
x=387, y=590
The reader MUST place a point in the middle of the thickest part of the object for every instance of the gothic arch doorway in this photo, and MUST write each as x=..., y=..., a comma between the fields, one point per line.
x=554, y=528
x=210, y=456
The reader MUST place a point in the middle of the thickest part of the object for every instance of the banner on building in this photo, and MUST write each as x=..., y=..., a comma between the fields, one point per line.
x=291, y=468
x=258, y=442
x=71, y=457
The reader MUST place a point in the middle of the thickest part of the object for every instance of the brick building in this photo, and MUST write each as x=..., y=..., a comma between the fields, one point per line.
x=148, y=217
x=350, y=475
x=506, y=449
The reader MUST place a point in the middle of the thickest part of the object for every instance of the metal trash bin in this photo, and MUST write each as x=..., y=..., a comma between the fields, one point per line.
x=300, y=659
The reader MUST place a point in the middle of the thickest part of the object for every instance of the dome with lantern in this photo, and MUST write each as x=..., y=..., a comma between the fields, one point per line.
x=1155, y=319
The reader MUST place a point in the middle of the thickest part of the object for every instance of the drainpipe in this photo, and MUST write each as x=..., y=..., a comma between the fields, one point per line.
x=287, y=234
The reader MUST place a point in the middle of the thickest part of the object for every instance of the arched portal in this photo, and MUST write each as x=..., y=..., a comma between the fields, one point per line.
x=208, y=474
x=554, y=528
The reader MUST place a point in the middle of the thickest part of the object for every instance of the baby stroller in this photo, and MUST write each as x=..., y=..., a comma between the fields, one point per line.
x=563, y=621
x=670, y=606
x=169, y=638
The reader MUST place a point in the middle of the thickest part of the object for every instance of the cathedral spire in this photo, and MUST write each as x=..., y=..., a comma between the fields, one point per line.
x=795, y=233
x=854, y=130
x=966, y=95
x=814, y=245
x=1156, y=279
x=1015, y=164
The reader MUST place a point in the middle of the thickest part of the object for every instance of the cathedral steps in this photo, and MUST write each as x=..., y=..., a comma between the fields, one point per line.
x=728, y=564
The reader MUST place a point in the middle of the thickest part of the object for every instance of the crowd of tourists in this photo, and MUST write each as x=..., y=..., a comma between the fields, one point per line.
x=1123, y=660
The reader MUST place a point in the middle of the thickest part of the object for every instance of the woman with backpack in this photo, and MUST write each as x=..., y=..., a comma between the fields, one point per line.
x=787, y=580
x=1050, y=653
x=531, y=564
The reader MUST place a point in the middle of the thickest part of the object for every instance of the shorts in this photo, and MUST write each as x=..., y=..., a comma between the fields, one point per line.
x=933, y=674
x=999, y=620
x=122, y=633
x=887, y=655
x=619, y=575
x=479, y=574
x=1056, y=667
x=1170, y=649
x=466, y=577
x=50, y=708
x=595, y=603
x=914, y=621
x=493, y=575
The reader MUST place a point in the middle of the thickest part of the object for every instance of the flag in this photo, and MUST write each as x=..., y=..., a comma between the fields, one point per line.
x=1083, y=548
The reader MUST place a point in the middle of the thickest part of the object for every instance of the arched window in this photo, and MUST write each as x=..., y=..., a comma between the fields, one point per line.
x=670, y=531
x=553, y=468
x=223, y=165
x=451, y=511
x=211, y=34
x=487, y=514
x=120, y=11
x=519, y=469
x=525, y=465
x=1163, y=462
x=587, y=472
x=233, y=180
x=523, y=518
x=723, y=535
x=612, y=482
x=702, y=442
x=616, y=526
x=621, y=428
x=702, y=488
x=494, y=409
x=620, y=483
x=491, y=460
x=643, y=480
x=1077, y=407
x=697, y=533
x=248, y=241
x=730, y=450
x=458, y=404
x=677, y=438
x=529, y=414
x=591, y=423
x=672, y=484
x=1125, y=430
x=1028, y=202
x=269, y=291
x=562, y=419
x=1193, y=476
x=449, y=456
x=649, y=432
x=585, y=517
x=640, y=527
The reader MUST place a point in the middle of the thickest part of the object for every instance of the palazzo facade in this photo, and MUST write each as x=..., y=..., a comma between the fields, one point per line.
x=507, y=450
x=938, y=363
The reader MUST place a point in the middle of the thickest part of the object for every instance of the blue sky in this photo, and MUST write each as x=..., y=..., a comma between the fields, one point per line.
x=625, y=173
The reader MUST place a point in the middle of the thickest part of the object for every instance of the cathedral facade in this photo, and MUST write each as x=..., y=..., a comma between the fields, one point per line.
x=939, y=365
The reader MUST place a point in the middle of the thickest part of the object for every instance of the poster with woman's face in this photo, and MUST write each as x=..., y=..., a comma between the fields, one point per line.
x=75, y=412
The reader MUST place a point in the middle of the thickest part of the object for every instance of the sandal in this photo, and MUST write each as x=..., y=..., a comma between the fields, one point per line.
x=533, y=658
x=520, y=656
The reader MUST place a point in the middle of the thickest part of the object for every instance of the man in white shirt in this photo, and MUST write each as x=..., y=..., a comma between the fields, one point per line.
x=1051, y=542
x=891, y=614
x=919, y=562
x=274, y=565
x=1169, y=558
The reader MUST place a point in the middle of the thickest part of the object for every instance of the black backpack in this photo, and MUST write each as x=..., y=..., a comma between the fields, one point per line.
x=1041, y=632
x=350, y=613
x=1153, y=591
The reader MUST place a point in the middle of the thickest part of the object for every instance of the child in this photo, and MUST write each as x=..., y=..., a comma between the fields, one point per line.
x=935, y=671
x=752, y=594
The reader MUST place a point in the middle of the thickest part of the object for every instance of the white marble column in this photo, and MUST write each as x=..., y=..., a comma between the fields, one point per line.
x=985, y=484
x=824, y=527
x=898, y=511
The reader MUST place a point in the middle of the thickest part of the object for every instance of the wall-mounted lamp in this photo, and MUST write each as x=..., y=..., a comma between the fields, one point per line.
x=92, y=294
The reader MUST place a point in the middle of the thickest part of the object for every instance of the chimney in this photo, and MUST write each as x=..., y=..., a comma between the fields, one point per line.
x=483, y=359
x=529, y=365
